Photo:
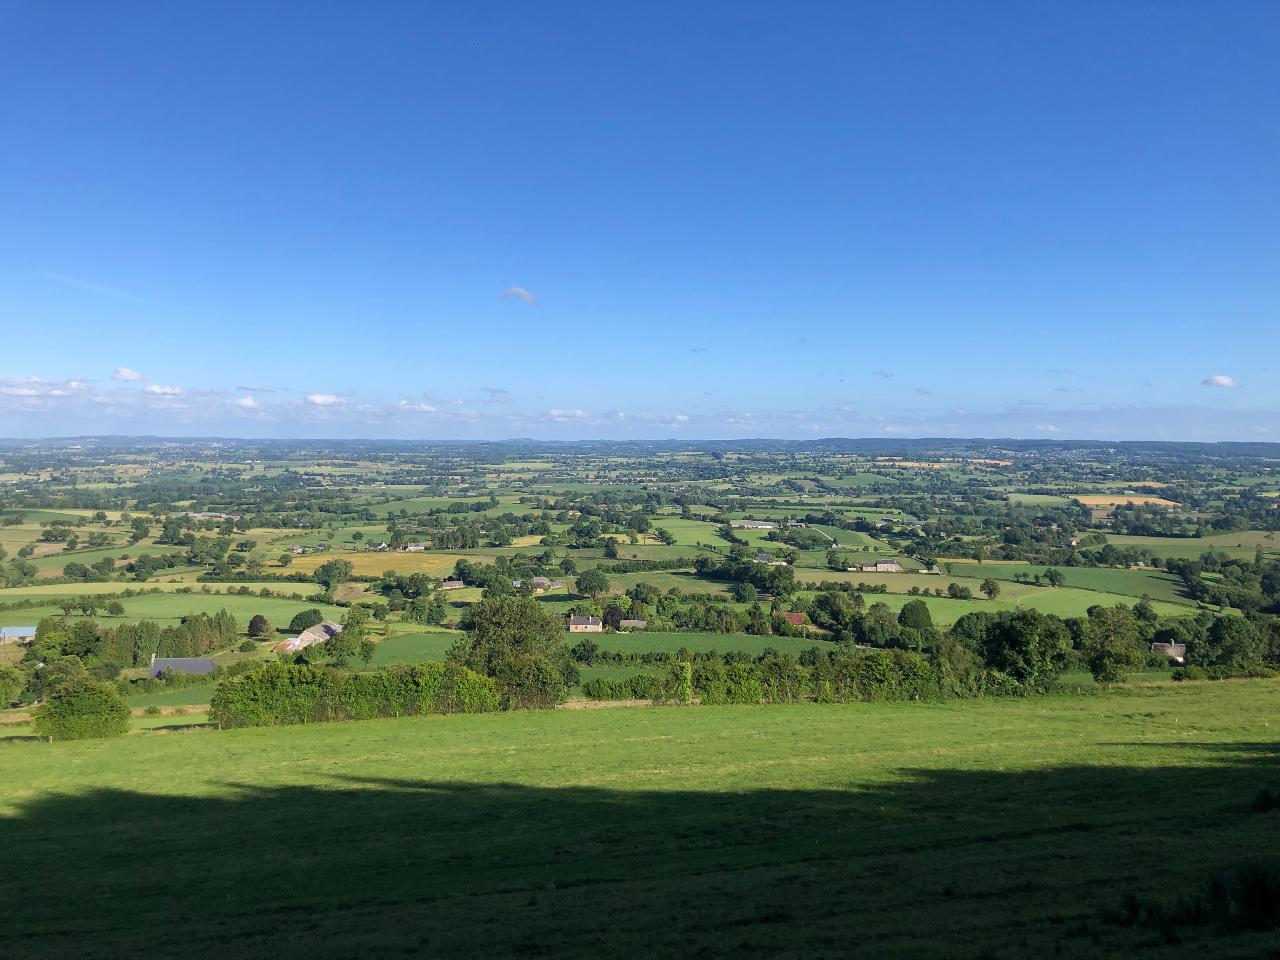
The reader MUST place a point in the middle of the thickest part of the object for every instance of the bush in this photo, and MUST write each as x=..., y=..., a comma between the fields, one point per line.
x=247, y=647
x=640, y=686
x=276, y=694
x=83, y=709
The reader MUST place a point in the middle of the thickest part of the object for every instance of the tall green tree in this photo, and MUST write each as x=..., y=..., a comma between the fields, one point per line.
x=593, y=583
x=520, y=643
x=1112, y=643
x=1029, y=646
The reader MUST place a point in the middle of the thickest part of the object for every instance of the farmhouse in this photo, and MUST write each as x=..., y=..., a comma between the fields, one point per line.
x=878, y=566
x=17, y=635
x=195, y=665
x=632, y=624
x=310, y=637
x=297, y=548
x=379, y=547
x=768, y=560
x=415, y=547
x=753, y=525
x=579, y=624
x=546, y=583
x=1177, y=652
x=793, y=617
x=452, y=585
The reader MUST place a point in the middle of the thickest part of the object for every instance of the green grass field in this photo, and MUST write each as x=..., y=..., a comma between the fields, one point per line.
x=646, y=641
x=168, y=608
x=1000, y=829
x=1240, y=546
x=426, y=644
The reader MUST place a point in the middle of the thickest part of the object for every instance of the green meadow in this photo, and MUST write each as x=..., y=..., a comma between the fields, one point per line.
x=973, y=829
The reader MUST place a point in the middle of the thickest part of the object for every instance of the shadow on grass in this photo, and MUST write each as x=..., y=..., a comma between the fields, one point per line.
x=938, y=863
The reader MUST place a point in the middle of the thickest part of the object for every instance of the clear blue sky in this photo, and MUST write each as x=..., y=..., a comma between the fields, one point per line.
x=738, y=219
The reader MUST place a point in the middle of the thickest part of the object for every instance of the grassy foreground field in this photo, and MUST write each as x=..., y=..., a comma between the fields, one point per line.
x=967, y=829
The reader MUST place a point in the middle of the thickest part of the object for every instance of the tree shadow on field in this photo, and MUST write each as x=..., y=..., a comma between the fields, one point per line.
x=939, y=863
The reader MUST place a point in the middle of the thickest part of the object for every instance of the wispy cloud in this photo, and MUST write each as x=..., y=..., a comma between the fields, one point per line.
x=127, y=375
x=520, y=293
x=882, y=373
x=496, y=395
x=249, y=389
x=412, y=407
x=1220, y=380
x=248, y=403
x=162, y=390
x=325, y=400
x=923, y=391
x=36, y=387
x=77, y=283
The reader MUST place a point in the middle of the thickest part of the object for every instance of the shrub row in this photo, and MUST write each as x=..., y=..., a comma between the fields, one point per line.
x=277, y=693
x=870, y=675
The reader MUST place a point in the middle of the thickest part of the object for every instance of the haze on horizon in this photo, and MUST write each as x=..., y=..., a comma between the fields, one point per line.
x=565, y=222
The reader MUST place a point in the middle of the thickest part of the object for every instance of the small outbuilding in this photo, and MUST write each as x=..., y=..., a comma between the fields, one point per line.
x=632, y=624
x=1177, y=652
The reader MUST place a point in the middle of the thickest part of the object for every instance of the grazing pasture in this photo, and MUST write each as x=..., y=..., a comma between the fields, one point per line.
x=368, y=563
x=1120, y=499
x=1014, y=828
x=645, y=641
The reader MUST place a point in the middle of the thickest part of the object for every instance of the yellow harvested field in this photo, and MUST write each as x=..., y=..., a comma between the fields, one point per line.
x=1119, y=500
x=371, y=564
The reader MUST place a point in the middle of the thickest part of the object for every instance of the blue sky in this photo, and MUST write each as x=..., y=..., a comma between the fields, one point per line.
x=457, y=221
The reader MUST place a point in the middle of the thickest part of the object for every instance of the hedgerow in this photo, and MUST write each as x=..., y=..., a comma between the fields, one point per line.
x=277, y=694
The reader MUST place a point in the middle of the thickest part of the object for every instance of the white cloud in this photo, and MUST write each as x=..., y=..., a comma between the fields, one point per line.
x=520, y=293
x=161, y=390
x=560, y=416
x=1220, y=380
x=36, y=387
x=248, y=403
x=496, y=395
x=325, y=400
x=416, y=407
x=127, y=375
x=1046, y=428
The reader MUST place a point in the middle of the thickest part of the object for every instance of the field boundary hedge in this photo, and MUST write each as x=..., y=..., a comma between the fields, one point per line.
x=277, y=694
